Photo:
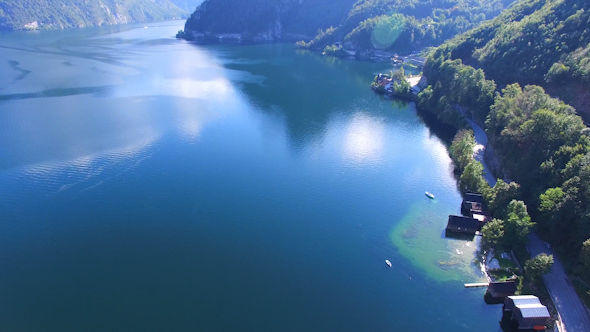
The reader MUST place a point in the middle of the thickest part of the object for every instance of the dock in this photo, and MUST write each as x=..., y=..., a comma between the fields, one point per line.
x=478, y=284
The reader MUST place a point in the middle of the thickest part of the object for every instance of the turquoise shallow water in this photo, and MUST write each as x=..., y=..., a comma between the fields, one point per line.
x=151, y=184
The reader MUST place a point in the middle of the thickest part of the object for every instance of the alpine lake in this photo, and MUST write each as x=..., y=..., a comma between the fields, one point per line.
x=152, y=184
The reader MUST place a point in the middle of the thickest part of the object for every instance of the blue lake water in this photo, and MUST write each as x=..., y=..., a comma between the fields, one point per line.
x=150, y=184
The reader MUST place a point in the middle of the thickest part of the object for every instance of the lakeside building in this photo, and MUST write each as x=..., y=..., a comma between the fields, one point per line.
x=475, y=207
x=413, y=59
x=498, y=291
x=475, y=215
x=461, y=224
x=502, y=289
x=417, y=83
x=526, y=312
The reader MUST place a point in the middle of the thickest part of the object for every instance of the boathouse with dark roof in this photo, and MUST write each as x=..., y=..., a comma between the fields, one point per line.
x=473, y=197
x=462, y=224
x=473, y=204
x=502, y=289
x=498, y=291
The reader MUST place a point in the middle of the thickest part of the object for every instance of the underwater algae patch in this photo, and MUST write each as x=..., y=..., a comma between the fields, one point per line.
x=419, y=237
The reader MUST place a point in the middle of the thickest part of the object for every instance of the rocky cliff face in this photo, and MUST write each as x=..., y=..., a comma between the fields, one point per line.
x=264, y=20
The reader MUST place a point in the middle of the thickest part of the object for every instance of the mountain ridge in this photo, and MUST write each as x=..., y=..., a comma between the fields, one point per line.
x=555, y=52
x=413, y=24
x=418, y=23
x=61, y=14
x=265, y=19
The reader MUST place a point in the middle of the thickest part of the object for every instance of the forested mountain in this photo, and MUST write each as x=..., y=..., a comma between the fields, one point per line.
x=408, y=24
x=266, y=19
x=542, y=42
x=540, y=142
x=59, y=14
x=401, y=24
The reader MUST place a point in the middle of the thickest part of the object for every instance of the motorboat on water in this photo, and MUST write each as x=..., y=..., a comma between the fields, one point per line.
x=388, y=262
x=429, y=195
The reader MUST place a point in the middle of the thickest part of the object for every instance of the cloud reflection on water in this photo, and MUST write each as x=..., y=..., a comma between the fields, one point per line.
x=58, y=116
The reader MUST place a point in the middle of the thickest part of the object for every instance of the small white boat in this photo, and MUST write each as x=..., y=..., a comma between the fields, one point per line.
x=431, y=196
x=388, y=262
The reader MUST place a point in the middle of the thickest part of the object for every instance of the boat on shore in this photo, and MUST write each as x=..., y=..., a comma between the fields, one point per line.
x=388, y=262
x=429, y=195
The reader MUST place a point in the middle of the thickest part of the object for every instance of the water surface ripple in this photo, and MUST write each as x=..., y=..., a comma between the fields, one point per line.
x=150, y=184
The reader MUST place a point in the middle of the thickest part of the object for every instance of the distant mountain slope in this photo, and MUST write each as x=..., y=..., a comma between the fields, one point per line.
x=410, y=24
x=525, y=42
x=59, y=14
x=415, y=23
x=544, y=42
x=269, y=19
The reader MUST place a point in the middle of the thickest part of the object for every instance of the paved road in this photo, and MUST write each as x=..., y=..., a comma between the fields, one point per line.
x=479, y=151
x=571, y=309
x=574, y=315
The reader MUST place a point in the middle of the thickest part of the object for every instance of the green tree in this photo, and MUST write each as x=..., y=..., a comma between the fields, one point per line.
x=551, y=199
x=536, y=267
x=402, y=89
x=334, y=51
x=558, y=73
x=500, y=196
x=493, y=232
x=399, y=74
x=472, y=177
x=461, y=149
x=518, y=224
x=538, y=140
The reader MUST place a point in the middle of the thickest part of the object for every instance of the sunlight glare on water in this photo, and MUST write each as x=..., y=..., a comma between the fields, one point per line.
x=151, y=184
x=364, y=139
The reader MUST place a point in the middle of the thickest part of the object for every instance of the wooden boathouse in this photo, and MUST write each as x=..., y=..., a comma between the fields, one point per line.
x=498, y=291
x=462, y=224
x=474, y=206
x=475, y=215
x=526, y=312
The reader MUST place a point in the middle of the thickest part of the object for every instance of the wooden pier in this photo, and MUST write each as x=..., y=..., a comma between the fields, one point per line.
x=478, y=284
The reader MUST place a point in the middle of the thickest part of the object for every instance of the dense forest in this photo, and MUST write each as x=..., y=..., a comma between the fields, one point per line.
x=273, y=18
x=362, y=25
x=543, y=42
x=406, y=25
x=541, y=145
x=59, y=14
